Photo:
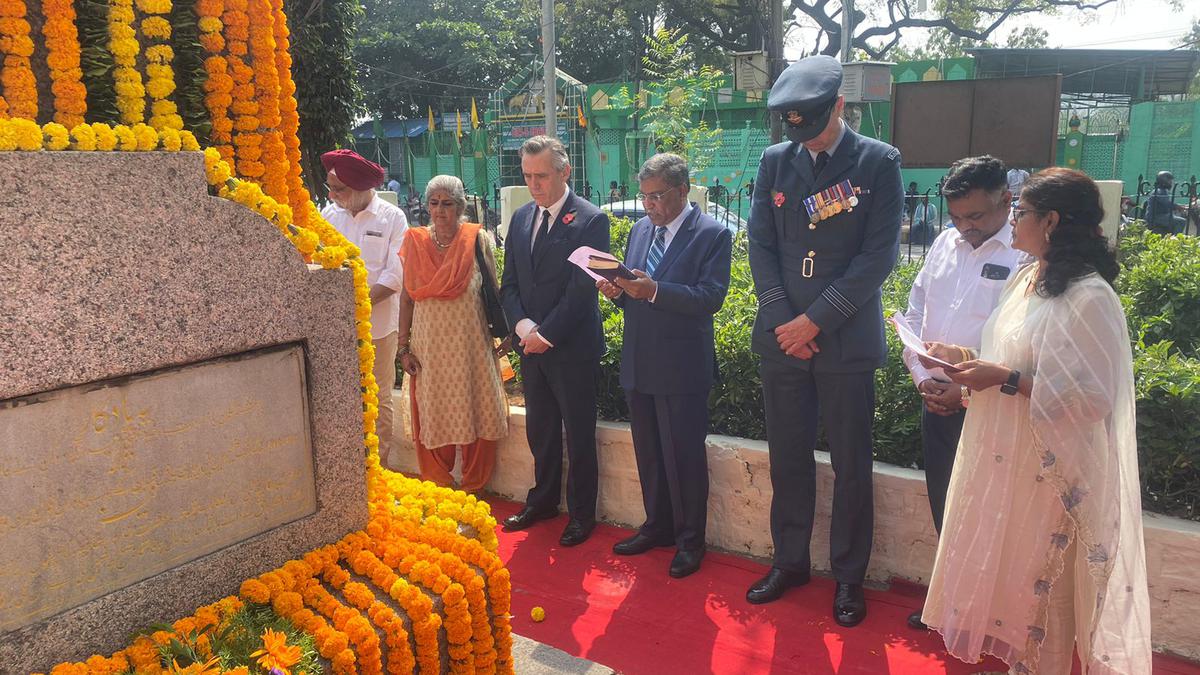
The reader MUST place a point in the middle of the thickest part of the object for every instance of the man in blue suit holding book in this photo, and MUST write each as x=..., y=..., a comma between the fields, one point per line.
x=680, y=256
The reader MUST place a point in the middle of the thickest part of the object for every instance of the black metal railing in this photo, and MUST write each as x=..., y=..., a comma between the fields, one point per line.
x=1175, y=210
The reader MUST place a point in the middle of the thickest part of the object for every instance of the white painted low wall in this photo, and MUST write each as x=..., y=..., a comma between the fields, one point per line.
x=905, y=542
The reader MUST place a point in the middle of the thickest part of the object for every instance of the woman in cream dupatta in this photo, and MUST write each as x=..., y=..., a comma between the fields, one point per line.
x=1042, y=549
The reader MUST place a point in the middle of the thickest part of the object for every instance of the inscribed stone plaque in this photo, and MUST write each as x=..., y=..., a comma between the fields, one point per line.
x=106, y=484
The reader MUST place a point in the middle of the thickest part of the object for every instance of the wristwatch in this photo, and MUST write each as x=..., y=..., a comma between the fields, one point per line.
x=1010, y=387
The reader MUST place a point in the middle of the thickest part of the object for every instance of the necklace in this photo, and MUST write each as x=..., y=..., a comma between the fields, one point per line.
x=433, y=233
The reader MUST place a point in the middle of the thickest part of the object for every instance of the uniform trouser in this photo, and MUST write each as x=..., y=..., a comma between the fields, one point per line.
x=669, y=434
x=558, y=396
x=939, y=441
x=385, y=377
x=794, y=400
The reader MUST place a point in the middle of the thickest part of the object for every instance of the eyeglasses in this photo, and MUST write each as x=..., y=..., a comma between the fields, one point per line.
x=652, y=197
x=340, y=188
x=449, y=203
x=1017, y=214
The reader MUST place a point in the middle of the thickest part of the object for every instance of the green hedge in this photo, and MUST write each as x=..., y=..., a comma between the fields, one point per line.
x=1160, y=288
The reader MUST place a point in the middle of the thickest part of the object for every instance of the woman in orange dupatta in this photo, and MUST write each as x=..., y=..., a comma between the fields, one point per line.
x=445, y=344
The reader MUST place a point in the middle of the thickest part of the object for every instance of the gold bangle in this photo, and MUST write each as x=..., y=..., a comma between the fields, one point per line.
x=964, y=353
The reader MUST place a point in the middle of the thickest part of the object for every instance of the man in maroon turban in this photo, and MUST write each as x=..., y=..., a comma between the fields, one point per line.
x=377, y=228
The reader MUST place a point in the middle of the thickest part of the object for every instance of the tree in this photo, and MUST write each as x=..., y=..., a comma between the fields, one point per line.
x=956, y=25
x=327, y=95
x=676, y=89
x=415, y=55
x=1192, y=41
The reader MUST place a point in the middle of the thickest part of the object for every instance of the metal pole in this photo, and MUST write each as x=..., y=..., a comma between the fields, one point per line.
x=549, y=81
x=847, y=28
x=775, y=60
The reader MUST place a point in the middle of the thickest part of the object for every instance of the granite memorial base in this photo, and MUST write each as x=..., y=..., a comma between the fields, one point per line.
x=179, y=402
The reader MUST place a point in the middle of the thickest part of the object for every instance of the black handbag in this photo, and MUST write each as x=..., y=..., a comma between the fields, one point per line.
x=493, y=311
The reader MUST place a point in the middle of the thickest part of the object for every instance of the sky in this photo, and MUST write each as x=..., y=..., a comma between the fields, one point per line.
x=1126, y=24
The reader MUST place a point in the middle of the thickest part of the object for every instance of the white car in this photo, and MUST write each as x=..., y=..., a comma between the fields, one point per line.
x=633, y=210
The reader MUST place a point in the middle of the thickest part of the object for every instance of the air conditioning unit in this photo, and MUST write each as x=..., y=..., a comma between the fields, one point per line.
x=867, y=82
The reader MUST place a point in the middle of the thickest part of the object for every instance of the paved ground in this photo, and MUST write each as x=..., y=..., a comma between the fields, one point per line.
x=534, y=658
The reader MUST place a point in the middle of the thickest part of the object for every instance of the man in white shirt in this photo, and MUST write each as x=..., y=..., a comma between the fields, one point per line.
x=376, y=228
x=956, y=290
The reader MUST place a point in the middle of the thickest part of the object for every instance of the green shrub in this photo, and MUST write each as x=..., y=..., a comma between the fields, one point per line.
x=1160, y=289
x=1168, y=431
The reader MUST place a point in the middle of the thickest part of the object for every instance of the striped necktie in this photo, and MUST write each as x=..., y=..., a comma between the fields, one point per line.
x=656, y=250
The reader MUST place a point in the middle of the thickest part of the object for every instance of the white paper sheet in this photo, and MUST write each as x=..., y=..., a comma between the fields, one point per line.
x=580, y=258
x=910, y=340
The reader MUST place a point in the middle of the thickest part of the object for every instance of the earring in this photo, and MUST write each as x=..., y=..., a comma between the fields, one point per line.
x=1047, y=236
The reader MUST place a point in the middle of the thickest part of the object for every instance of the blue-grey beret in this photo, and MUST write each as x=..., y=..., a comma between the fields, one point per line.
x=807, y=85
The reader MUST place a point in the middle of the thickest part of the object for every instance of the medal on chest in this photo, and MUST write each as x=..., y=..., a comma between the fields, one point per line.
x=831, y=201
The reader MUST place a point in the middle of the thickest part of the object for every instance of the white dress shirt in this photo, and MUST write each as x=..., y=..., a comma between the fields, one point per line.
x=952, y=298
x=672, y=229
x=554, y=210
x=377, y=232
x=525, y=326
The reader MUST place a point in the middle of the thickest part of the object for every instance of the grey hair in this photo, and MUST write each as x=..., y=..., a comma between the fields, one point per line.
x=540, y=144
x=452, y=186
x=669, y=167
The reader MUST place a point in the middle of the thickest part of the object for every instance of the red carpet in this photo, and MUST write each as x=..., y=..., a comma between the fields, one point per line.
x=626, y=613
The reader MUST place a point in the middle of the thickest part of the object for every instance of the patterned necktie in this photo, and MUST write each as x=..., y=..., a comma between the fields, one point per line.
x=656, y=250
x=541, y=229
x=820, y=162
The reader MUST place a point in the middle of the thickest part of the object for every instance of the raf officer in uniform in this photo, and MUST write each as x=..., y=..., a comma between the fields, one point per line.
x=824, y=234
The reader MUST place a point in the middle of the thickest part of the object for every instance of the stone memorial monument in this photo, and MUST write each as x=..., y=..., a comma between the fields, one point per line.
x=179, y=401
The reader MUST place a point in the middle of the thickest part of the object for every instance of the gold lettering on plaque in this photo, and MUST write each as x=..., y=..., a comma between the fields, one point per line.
x=103, y=486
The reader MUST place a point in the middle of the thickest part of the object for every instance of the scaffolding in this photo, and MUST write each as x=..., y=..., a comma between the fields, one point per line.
x=516, y=113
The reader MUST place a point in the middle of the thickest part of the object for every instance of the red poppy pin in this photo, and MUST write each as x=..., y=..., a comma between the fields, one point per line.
x=778, y=199
x=569, y=217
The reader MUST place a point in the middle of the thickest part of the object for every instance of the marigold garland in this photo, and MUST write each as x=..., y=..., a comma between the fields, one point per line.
x=123, y=44
x=421, y=539
x=63, y=58
x=16, y=76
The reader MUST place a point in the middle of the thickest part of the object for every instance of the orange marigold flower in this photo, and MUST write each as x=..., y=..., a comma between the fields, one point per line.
x=276, y=652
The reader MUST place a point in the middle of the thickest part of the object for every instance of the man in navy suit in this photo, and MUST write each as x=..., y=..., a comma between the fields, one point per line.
x=667, y=360
x=554, y=309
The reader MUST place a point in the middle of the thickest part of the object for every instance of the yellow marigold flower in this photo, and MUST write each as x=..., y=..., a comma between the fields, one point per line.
x=56, y=136
x=276, y=652
x=126, y=141
x=156, y=28
x=106, y=139
x=147, y=137
x=189, y=143
x=171, y=141
x=84, y=137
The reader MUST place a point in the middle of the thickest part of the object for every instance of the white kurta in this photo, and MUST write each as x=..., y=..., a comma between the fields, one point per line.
x=1038, y=479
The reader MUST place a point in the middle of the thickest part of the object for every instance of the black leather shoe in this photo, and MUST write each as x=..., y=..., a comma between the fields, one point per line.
x=915, y=622
x=576, y=533
x=638, y=544
x=771, y=587
x=685, y=563
x=526, y=517
x=849, y=605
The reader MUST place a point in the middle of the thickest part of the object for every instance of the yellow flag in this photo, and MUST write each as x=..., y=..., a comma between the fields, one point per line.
x=474, y=115
x=582, y=120
x=431, y=125
x=458, y=118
